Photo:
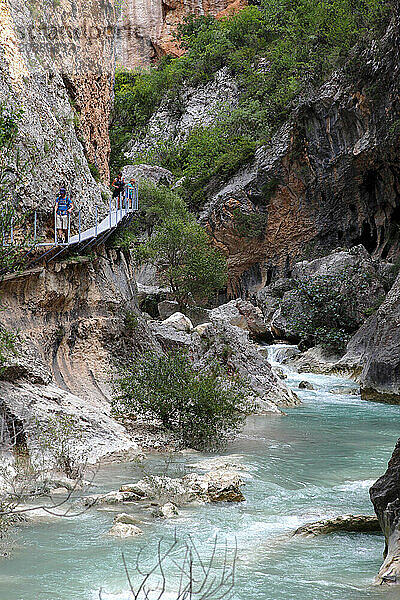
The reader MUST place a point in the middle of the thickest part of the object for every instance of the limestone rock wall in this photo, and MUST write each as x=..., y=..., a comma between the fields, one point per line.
x=385, y=496
x=146, y=27
x=76, y=319
x=56, y=64
x=330, y=176
x=376, y=347
x=72, y=317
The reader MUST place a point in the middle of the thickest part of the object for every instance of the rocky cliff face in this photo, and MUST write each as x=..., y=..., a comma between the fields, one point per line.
x=385, y=496
x=56, y=63
x=146, y=29
x=197, y=107
x=329, y=177
x=76, y=319
x=376, y=347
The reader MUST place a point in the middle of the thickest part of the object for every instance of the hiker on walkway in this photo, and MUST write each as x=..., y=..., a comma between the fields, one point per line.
x=130, y=192
x=63, y=209
x=118, y=185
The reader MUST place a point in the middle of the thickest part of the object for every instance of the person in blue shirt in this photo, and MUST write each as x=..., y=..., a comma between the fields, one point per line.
x=130, y=193
x=63, y=209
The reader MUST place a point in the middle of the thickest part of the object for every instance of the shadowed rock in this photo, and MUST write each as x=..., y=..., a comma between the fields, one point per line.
x=385, y=496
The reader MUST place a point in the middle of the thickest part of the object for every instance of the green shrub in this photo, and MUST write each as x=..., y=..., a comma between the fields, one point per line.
x=131, y=320
x=250, y=224
x=202, y=407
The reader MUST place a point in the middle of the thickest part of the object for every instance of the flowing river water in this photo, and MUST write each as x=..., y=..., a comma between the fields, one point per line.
x=316, y=462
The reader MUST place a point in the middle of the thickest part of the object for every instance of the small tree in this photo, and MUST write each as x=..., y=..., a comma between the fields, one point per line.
x=181, y=250
x=202, y=407
x=61, y=438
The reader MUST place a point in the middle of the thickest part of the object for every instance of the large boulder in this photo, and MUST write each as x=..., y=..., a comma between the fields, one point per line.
x=346, y=523
x=24, y=405
x=359, y=280
x=230, y=344
x=226, y=338
x=376, y=348
x=152, y=173
x=219, y=485
x=385, y=496
x=179, y=322
x=124, y=530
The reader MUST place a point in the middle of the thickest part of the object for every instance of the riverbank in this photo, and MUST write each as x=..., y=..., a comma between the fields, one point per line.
x=314, y=463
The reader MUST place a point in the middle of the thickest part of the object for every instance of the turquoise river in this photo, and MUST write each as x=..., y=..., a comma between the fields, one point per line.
x=317, y=461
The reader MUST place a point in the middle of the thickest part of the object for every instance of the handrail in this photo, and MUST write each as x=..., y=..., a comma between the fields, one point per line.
x=127, y=204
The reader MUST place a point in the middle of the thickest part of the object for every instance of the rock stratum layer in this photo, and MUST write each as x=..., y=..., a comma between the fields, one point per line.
x=72, y=317
x=146, y=29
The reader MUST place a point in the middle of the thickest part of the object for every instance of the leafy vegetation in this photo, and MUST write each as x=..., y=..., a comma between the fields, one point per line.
x=179, y=246
x=181, y=250
x=202, y=407
x=250, y=224
x=61, y=438
x=273, y=51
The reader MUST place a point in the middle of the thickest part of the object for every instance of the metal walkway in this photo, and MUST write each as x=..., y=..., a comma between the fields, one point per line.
x=93, y=236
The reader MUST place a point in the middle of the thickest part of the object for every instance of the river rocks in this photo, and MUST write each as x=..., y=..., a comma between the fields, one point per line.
x=345, y=523
x=166, y=511
x=317, y=360
x=124, y=530
x=345, y=390
x=279, y=373
x=376, y=348
x=219, y=485
x=385, y=496
x=126, y=518
x=306, y=385
x=111, y=498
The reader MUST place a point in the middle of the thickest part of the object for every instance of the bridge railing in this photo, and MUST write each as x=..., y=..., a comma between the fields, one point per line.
x=127, y=202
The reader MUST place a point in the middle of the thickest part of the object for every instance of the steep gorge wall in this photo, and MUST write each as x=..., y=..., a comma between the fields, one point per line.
x=57, y=63
x=330, y=177
x=146, y=28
